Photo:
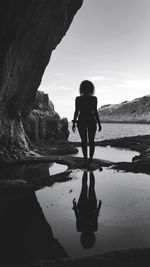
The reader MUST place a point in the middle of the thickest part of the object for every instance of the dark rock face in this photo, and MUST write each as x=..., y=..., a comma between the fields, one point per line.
x=25, y=234
x=43, y=122
x=135, y=111
x=30, y=30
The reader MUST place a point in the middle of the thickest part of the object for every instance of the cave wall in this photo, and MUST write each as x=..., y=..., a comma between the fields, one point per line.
x=30, y=30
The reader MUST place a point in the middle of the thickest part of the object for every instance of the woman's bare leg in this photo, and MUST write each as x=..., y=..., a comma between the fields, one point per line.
x=83, y=135
x=91, y=136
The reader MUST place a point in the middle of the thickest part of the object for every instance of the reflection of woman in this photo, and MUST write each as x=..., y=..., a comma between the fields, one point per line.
x=87, y=115
x=87, y=211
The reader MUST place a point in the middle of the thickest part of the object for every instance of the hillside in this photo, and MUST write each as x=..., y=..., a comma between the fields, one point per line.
x=135, y=111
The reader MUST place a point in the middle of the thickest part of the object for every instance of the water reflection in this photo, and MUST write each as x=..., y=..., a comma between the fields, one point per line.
x=87, y=211
x=25, y=234
x=123, y=221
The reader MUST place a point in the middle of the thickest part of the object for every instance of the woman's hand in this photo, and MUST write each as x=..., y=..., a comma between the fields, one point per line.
x=99, y=128
x=73, y=127
x=74, y=204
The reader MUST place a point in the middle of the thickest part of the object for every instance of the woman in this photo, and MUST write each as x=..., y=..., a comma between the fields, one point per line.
x=87, y=115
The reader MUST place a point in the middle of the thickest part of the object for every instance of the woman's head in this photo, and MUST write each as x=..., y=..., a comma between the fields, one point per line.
x=86, y=87
x=87, y=240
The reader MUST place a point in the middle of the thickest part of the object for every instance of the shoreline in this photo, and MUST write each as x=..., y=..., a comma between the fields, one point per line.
x=138, y=143
x=123, y=122
x=126, y=122
x=134, y=257
x=62, y=152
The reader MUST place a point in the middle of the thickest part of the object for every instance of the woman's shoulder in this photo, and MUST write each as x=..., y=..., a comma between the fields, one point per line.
x=77, y=98
x=94, y=98
x=91, y=97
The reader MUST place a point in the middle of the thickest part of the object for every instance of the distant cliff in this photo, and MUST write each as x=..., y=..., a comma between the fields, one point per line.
x=42, y=122
x=135, y=111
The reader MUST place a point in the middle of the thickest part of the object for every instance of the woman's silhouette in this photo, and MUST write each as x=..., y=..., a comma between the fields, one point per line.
x=86, y=117
x=87, y=211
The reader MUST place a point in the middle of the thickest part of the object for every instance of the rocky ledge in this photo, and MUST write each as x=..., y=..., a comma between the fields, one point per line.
x=125, y=258
x=60, y=153
x=140, y=143
x=140, y=163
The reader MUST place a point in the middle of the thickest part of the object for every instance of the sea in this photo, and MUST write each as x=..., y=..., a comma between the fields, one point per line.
x=114, y=130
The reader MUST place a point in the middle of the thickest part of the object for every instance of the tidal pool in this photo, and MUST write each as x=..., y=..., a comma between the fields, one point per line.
x=55, y=168
x=124, y=216
x=111, y=153
x=42, y=224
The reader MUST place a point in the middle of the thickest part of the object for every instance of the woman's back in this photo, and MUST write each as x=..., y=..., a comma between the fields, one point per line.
x=86, y=105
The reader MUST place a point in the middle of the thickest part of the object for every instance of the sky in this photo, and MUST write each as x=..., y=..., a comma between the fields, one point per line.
x=107, y=43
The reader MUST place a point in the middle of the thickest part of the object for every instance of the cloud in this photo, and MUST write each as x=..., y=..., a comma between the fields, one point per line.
x=60, y=74
x=55, y=88
x=101, y=78
x=136, y=84
x=115, y=73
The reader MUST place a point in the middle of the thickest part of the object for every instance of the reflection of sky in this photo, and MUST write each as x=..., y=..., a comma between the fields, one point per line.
x=108, y=43
x=56, y=168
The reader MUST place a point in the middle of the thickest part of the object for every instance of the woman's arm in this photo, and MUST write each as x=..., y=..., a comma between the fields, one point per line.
x=96, y=115
x=98, y=207
x=75, y=208
x=76, y=113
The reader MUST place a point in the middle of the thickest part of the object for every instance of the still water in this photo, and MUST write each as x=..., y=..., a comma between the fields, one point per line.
x=111, y=154
x=124, y=216
x=42, y=224
x=115, y=130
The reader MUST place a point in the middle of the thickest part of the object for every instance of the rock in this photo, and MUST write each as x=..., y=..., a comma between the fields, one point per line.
x=42, y=102
x=29, y=30
x=134, y=257
x=140, y=163
x=2, y=156
x=26, y=236
x=135, y=111
x=43, y=122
